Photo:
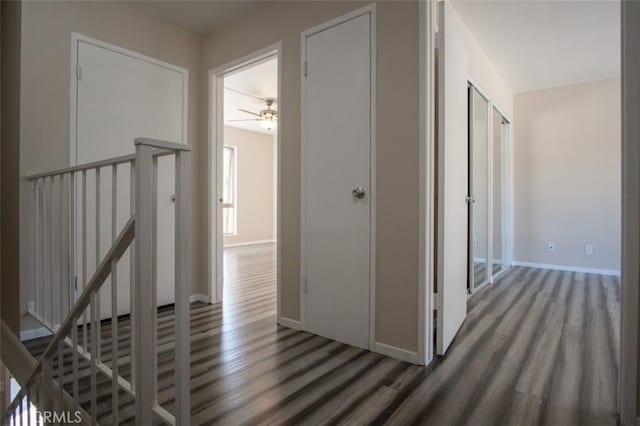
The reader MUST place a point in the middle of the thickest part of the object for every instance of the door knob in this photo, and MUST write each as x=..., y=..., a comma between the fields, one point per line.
x=470, y=200
x=358, y=193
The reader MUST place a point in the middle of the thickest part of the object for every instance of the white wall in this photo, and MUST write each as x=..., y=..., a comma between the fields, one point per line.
x=567, y=175
x=255, y=190
x=483, y=72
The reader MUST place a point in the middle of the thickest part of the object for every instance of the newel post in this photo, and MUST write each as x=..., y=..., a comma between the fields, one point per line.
x=182, y=290
x=142, y=304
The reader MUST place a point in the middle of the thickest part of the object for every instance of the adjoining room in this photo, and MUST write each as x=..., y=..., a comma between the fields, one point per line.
x=249, y=187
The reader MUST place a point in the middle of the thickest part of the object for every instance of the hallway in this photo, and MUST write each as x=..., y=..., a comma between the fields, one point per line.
x=538, y=347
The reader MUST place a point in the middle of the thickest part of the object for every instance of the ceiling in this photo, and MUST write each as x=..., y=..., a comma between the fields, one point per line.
x=539, y=44
x=259, y=81
x=198, y=16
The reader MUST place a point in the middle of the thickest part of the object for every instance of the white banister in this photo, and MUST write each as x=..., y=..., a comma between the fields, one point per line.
x=182, y=288
x=141, y=304
x=66, y=296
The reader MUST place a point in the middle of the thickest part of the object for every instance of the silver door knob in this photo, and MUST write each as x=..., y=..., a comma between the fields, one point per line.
x=358, y=193
x=470, y=200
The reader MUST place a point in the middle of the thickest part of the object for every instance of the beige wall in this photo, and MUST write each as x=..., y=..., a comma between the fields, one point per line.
x=397, y=147
x=255, y=190
x=567, y=175
x=10, y=136
x=46, y=62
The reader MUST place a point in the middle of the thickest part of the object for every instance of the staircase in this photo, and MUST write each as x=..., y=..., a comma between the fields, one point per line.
x=100, y=364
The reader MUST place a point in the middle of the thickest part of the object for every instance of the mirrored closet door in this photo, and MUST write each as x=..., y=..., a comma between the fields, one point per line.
x=487, y=194
x=478, y=188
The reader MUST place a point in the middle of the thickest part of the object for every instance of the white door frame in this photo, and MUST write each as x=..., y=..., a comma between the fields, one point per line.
x=215, y=145
x=76, y=38
x=370, y=9
x=428, y=14
x=629, y=323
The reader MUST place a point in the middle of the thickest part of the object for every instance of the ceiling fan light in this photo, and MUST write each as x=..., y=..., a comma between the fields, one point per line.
x=268, y=124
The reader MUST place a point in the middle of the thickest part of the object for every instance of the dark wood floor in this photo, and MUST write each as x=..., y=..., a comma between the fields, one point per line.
x=538, y=347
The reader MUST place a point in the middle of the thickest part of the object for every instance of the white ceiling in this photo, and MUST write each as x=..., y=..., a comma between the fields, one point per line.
x=198, y=16
x=259, y=81
x=539, y=44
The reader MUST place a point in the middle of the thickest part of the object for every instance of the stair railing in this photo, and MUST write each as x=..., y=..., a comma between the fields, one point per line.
x=70, y=306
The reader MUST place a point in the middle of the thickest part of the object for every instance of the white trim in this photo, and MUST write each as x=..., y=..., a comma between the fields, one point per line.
x=629, y=326
x=426, y=155
x=34, y=333
x=76, y=38
x=395, y=352
x=490, y=194
x=287, y=322
x=248, y=243
x=485, y=95
x=567, y=268
x=371, y=10
x=199, y=297
x=215, y=142
x=234, y=204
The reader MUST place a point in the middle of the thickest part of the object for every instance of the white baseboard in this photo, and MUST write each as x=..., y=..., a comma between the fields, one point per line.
x=248, y=243
x=199, y=298
x=286, y=322
x=568, y=268
x=395, y=352
x=34, y=333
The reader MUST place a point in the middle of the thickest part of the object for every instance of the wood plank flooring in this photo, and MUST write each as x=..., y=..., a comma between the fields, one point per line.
x=538, y=347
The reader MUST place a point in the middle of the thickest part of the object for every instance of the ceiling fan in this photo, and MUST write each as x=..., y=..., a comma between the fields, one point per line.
x=267, y=117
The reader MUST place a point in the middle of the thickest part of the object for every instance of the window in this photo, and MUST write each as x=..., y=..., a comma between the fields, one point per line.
x=229, y=190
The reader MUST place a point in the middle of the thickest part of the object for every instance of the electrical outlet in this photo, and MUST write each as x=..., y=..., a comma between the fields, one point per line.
x=588, y=249
x=551, y=247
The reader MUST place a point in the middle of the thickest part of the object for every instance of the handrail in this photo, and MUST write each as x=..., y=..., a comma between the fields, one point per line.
x=87, y=166
x=163, y=149
x=120, y=246
x=15, y=355
x=157, y=143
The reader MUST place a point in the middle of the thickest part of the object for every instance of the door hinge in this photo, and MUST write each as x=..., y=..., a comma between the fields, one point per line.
x=75, y=283
x=306, y=68
x=304, y=284
x=78, y=72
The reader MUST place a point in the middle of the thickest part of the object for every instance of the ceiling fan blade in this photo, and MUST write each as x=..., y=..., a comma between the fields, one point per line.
x=248, y=112
x=245, y=94
x=248, y=119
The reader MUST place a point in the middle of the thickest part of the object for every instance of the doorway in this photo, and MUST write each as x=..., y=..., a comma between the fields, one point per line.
x=244, y=179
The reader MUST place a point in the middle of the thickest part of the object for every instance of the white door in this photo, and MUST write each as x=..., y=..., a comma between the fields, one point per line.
x=452, y=180
x=337, y=180
x=121, y=96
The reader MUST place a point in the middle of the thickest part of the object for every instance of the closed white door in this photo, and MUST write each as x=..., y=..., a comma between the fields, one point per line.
x=122, y=96
x=337, y=179
x=453, y=167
